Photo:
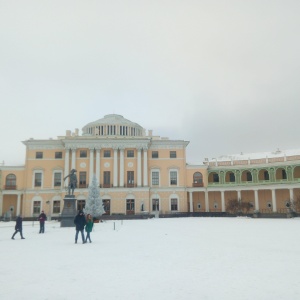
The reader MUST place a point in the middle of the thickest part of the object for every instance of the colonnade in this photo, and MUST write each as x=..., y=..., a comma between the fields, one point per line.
x=223, y=207
x=118, y=169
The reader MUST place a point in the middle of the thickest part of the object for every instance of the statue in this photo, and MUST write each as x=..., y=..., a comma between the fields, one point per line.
x=72, y=182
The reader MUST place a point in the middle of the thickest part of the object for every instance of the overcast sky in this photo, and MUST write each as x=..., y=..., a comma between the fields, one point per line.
x=223, y=75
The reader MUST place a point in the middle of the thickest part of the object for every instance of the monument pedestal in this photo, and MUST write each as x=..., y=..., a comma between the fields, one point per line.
x=69, y=211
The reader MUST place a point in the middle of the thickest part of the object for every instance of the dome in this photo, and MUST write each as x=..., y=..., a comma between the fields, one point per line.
x=113, y=125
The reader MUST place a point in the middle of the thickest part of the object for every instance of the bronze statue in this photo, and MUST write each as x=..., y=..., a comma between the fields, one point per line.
x=72, y=182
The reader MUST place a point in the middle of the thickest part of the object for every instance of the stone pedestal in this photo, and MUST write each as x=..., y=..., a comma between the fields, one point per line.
x=69, y=211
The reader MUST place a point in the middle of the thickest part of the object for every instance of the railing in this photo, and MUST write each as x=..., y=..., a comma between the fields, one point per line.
x=106, y=185
x=83, y=186
x=10, y=187
x=197, y=184
x=130, y=185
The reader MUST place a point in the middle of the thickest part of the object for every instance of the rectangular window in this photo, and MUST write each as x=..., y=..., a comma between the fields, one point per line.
x=106, y=179
x=284, y=174
x=130, y=153
x=174, y=204
x=215, y=177
x=155, y=204
x=266, y=175
x=39, y=155
x=172, y=154
x=56, y=207
x=80, y=204
x=130, y=178
x=57, y=179
x=37, y=179
x=130, y=206
x=106, y=153
x=82, y=179
x=154, y=154
x=249, y=176
x=231, y=177
x=58, y=155
x=36, y=207
x=155, y=178
x=173, y=178
x=83, y=153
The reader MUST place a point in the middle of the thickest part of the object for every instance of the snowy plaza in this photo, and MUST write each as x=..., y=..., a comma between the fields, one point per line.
x=176, y=258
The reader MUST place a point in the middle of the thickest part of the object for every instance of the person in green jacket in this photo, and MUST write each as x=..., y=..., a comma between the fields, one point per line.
x=89, y=227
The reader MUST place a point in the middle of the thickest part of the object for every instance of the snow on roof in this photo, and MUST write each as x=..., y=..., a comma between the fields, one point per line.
x=258, y=155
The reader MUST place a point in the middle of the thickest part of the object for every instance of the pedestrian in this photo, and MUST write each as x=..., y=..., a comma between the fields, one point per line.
x=42, y=219
x=80, y=222
x=89, y=227
x=18, y=227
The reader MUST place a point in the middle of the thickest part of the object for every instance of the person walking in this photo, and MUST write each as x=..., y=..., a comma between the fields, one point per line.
x=80, y=222
x=89, y=227
x=42, y=219
x=18, y=227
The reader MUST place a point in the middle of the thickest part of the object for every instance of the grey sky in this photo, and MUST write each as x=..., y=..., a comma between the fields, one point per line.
x=223, y=75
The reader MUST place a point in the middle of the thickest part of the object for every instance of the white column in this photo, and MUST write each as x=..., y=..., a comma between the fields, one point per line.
x=73, y=163
x=139, y=167
x=121, y=167
x=191, y=202
x=291, y=195
x=98, y=166
x=274, y=200
x=223, y=201
x=239, y=195
x=256, y=200
x=1, y=203
x=206, y=201
x=145, y=167
x=19, y=204
x=67, y=161
x=115, y=167
x=91, y=165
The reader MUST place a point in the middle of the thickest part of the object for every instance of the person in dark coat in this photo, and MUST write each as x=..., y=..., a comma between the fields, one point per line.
x=18, y=227
x=80, y=222
x=89, y=227
x=42, y=219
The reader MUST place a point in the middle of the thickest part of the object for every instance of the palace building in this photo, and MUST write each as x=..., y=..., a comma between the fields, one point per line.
x=139, y=173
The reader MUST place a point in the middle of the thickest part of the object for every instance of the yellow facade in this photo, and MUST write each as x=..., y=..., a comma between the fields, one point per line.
x=139, y=173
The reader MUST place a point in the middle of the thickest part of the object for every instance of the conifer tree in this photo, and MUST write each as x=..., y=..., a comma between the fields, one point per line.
x=94, y=204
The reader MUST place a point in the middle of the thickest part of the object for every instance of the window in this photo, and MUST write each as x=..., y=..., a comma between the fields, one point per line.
x=56, y=207
x=106, y=206
x=173, y=177
x=174, y=204
x=130, y=178
x=197, y=179
x=11, y=181
x=155, y=204
x=106, y=153
x=249, y=176
x=266, y=175
x=216, y=177
x=39, y=155
x=82, y=179
x=199, y=205
x=155, y=178
x=231, y=177
x=172, y=154
x=36, y=207
x=106, y=178
x=58, y=155
x=154, y=154
x=130, y=206
x=130, y=153
x=80, y=204
x=284, y=174
x=83, y=153
x=57, y=179
x=37, y=179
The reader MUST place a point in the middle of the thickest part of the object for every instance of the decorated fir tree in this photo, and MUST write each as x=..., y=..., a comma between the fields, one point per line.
x=94, y=204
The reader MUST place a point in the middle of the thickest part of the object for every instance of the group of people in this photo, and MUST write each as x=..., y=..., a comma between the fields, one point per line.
x=19, y=227
x=81, y=222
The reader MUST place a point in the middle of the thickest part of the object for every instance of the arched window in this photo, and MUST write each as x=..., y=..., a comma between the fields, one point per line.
x=197, y=179
x=11, y=182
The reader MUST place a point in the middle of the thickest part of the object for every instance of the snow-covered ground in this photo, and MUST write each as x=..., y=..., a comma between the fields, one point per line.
x=180, y=258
